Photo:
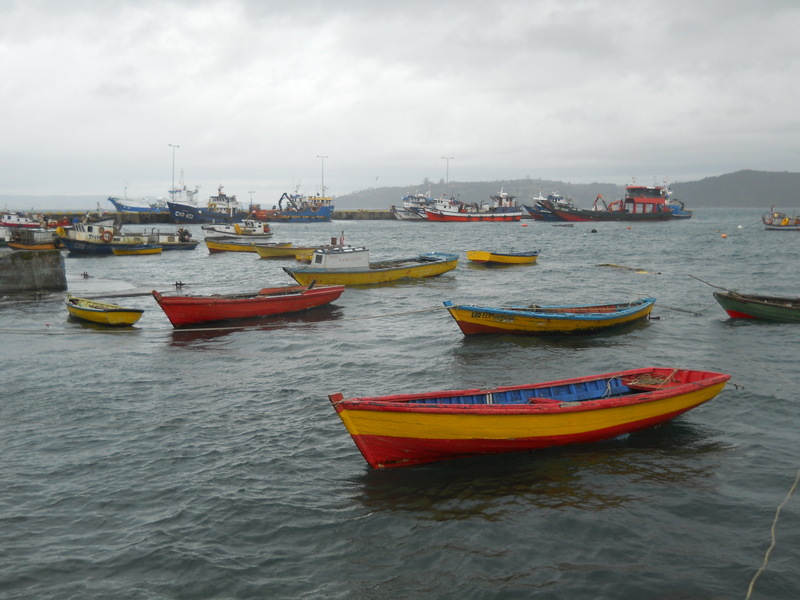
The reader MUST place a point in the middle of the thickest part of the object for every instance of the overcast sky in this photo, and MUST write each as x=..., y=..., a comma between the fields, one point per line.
x=254, y=92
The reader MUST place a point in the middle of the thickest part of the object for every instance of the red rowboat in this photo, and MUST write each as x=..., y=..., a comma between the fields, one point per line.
x=410, y=429
x=194, y=310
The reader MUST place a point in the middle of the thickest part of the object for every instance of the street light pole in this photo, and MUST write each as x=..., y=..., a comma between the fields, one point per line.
x=172, y=189
x=323, y=173
x=448, y=159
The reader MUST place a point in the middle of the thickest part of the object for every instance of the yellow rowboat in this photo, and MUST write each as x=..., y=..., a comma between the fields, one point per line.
x=223, y=244
x=133, y=250
x=101, y=313
x=353, y=267
x=538, y=320
x=511, y=258
x=410, y=429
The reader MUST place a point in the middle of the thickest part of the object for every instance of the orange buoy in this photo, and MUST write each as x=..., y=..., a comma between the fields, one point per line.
x=724, y=235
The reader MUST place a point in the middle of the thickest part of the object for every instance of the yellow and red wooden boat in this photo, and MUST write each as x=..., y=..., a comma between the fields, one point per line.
x=538, y=320
x=410, y=429
x=227, y=244
x=101, y=313
x=503, y=258
x=348, y=265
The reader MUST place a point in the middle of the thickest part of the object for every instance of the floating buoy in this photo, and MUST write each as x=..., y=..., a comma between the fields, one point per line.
x=524, y=224
x=629, y=226
x=724, y=235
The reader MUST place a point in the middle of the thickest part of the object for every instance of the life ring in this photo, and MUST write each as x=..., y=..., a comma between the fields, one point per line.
x=107, y=236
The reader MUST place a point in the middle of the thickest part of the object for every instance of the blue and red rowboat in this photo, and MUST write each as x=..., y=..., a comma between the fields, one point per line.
x=411, y=429
x=539, y=320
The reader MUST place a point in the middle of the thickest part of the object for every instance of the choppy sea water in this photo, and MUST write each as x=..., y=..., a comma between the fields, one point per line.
x=156, y=463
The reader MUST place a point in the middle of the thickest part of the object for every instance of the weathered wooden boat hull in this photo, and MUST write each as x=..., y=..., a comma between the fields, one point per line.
x=513, y=258
x=216, y=245
x=101, y=313
x=424, y=265
x=411, y=429
x=542, y=320
x=766, y=308
x=183, y=311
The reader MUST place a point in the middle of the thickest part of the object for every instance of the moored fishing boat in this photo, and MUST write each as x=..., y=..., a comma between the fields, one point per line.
x=298, y=209
x=30, y=238
x=139, y=205
x=776, y=220
x=641, y=204
x=247, y=228
x=302, y=253
x=226, y=244
x=539, y=212
x=538, y=320
x=348, y=265
x=754, y=306
x=101, y=313
x=503, y=258
x=220, y=208
x=183, y=311
x=502, y=207
x=17, y=220
x=410, y=429
x=103, y=238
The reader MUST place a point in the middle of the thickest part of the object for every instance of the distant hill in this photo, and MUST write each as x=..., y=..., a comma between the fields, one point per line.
x=756, y=189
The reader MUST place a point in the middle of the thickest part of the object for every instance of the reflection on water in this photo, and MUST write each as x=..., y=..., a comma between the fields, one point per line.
x=589, y=477
x=191, y=335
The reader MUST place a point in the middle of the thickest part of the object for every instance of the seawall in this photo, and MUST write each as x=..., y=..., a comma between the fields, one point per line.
x=32, y=271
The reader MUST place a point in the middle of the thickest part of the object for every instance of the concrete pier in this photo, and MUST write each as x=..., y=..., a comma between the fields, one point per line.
x=32, y=271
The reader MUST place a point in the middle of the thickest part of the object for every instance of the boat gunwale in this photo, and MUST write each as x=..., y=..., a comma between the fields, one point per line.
x=561, y=312
x=411, y=403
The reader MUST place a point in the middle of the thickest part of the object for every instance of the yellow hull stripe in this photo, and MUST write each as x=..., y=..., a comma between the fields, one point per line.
x=428, y=425
x=523, y=323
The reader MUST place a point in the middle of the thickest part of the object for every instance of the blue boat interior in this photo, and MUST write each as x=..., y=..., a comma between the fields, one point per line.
x=574, y=392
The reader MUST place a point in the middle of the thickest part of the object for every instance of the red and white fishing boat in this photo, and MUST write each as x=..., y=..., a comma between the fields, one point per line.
x=17, y=220
x=501, y=208
x=185, y=311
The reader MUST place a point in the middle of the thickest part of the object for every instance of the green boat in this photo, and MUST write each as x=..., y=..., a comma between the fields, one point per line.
x=765, y=308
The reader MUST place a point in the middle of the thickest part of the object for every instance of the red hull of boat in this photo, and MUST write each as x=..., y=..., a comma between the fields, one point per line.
x=183, y=311
x=468, y=217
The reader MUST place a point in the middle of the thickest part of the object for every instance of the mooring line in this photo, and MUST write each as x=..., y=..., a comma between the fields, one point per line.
x=772, y=532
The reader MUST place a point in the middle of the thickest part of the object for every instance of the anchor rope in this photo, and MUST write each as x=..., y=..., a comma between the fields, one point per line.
x=772, y=535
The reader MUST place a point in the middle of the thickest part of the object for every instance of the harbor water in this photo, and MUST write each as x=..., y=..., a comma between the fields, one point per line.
x=157, y=463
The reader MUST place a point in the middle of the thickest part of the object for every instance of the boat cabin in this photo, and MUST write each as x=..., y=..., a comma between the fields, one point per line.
x=642, y=199
x=341, y=257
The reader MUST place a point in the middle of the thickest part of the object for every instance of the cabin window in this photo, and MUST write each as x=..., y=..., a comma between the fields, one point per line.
x=318, y=259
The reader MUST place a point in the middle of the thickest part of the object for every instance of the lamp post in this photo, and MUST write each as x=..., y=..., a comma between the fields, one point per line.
x=323, y=173
x=448, y=159
x=172, y=189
